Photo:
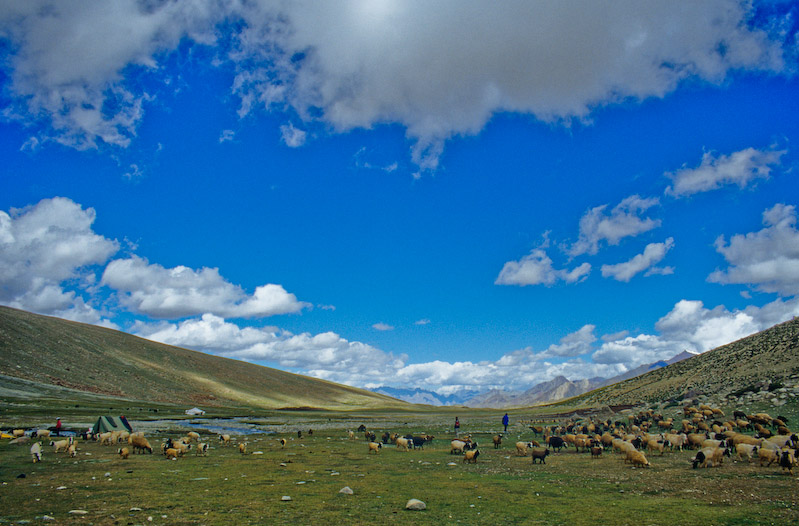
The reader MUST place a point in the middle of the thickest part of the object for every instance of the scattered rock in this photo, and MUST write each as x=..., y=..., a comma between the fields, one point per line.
x=61, y=487
x=416, y=505
x=346, y=490
x=47, y=518
x=78, y=512
x=135, y=509
x=285, y=498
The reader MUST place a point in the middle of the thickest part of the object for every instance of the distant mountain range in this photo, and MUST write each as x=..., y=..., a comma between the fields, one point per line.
x=553, y=390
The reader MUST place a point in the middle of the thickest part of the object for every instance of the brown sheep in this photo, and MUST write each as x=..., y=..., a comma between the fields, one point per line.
x=596, y=452
x=375, y=446
x=471, y=456
x=140, y=444
x=539, y=454
x=637, y=458
x=202, y=448
x=172, y=453
x=497, y=440
x=123, y=452
x=768, y=455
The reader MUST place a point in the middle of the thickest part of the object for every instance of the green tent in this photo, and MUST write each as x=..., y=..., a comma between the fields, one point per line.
x=111, y=423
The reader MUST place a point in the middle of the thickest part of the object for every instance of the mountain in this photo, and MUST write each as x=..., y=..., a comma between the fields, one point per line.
x=422, y=396
x=763, y=361
x=40, y=354
x=556, y=389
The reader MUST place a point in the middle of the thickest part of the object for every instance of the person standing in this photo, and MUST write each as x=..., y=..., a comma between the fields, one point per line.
x=505, y=421
x=457, y=427
x=58, y=427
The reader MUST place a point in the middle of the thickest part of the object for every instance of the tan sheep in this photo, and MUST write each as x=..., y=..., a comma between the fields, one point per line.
x=768, y=455
x=202, y=448
x=72, y=451
x=140, y=444
x=193, y=435
x=456, y=446
x=172, y=453
x=471, y=456
x=637, y=458
x=403, y=443
x=521, y=448
x=243, y=448
x=18, y=433
x=745, y=451
x=375, y=447
x=224, y=439
x=42, y=433
x=61, y=445
x=123, y=452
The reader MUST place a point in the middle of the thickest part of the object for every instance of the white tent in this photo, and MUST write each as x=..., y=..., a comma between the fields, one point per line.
x=195, y=411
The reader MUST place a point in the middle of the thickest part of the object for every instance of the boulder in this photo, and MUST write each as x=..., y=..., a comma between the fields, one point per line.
x=416, y=505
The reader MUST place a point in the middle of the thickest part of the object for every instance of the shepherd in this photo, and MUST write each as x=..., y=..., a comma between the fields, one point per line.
x=505, y=421
x=457, y=427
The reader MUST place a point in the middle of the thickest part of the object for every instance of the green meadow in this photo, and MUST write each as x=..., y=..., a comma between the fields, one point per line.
x=227, y=487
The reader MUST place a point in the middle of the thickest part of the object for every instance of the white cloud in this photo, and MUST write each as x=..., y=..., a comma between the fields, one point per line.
x=536, y=269
x=624, y=220
x=292, y=137
x=70, y=59
x=653, y=253
x=327, y=62
x=740, y=168
x=159, y=292
x=573, y=344
x=689, y=325
x=423, y=321
x=380, y=326
x=46, y=254
x=767, y=259
x=227, y=136
x=321, y=355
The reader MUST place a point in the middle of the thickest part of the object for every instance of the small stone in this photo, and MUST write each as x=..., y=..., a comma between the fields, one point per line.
x=282, y=464
x=107, y=474
x=416, y=505
x=61, y=487
x=285, y=498
x=346, y=490
x=47, y=518
x=78, y=512
x=451, y=464
x=135, y=509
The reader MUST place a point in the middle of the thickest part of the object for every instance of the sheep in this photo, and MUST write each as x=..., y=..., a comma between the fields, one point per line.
x=521, y=448
x=351, y=435
x=677, y=440
x=556, y=443
x=787, y=461
x=225, y=439
x=783, y=440
x=403, y=443
x=539, y=454
x=140, y=444
x=172, y=453
x=202, y=448
x=123, y=452
x=36, y=452
x=497, y=440
x=61, y=444
x=637, y=458
x=16, y=433
x=182, y=447
x=709, y=457
x=765, y=454
x=745, y=450
x=105, y=438
x=471, y=456
x=243, y=448
x=375, y=446
x=282, y=442
x=122, y=436
x=456, y=446
x=72, y=451
x=193, y=435
x=596, y=452
x=42, y=433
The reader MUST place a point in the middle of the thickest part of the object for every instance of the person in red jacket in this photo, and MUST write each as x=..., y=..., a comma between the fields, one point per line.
x=58, y=426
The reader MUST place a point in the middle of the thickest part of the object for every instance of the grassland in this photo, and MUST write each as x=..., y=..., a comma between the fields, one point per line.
x=501, y=488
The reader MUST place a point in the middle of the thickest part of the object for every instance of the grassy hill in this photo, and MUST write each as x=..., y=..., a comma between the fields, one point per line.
x=44, y=356
x=770, y=357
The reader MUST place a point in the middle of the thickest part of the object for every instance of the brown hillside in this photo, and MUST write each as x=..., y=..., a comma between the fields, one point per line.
x=86, y=358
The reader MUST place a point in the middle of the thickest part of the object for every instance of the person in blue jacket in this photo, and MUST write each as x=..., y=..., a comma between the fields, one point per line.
x=505, y=421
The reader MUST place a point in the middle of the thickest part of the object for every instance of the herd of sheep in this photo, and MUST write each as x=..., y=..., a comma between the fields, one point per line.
x=703, y=428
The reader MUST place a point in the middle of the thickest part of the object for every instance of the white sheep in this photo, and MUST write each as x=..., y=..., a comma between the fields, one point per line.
x=225, y=439
x=745, y=450
x=202, y=448
x=243, y=448
x=403, y=443
x=72, y=451
x=36, y=452
x=61, y=444
x=457, y=446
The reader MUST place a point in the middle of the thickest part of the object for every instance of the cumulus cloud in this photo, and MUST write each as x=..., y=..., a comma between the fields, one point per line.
x=227, y=136
x=47, y=255
x=767, y=259
x=573, y=344
x=689, y=325
x=380, y=326
x=70, y=62
x=536, y=268
x=321, y=355
x=739, y=168
x=153, y=290
x=653, y=253
x=624, y=220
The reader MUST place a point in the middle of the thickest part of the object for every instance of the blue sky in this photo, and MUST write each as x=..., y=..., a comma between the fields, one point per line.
x=441, y=195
